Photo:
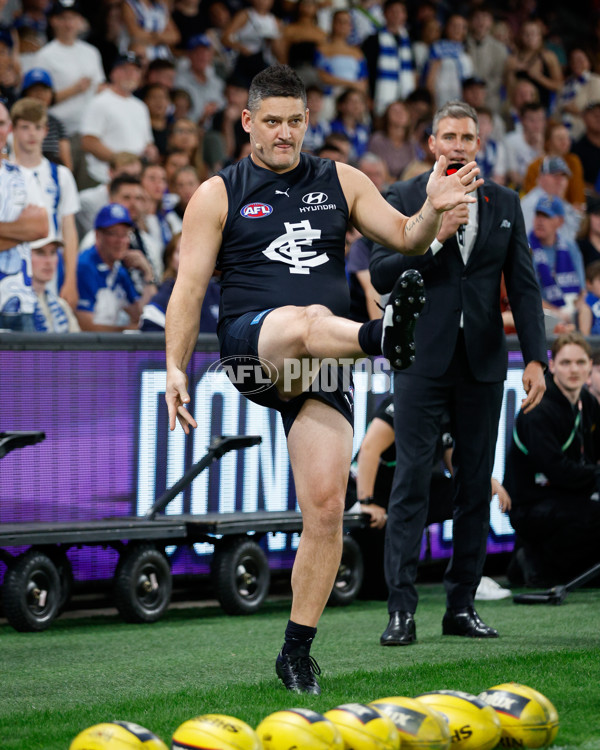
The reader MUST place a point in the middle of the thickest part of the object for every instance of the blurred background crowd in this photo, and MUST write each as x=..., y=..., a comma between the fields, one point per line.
x=114, y=111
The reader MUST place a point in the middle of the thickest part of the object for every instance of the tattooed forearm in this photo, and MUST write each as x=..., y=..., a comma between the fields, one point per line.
x=414, y=220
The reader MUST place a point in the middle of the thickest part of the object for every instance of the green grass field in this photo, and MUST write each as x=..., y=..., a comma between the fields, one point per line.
x=198, y=660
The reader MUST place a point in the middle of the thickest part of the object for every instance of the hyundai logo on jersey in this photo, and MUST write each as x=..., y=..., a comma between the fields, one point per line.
x=256, y=210
x=314, y=198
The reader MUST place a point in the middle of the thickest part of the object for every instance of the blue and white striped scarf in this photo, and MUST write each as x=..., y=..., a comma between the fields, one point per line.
x=395, y=69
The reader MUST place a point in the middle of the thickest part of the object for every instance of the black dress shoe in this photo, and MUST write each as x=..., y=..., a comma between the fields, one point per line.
x=466, y=622
x=400, y=630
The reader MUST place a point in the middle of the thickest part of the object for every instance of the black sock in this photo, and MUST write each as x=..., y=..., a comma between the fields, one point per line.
x=369, y=336
x=297, y=635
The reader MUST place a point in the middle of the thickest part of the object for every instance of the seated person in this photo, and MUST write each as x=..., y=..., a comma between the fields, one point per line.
x=557, y=261
x=370, y=485
x=52, y=313
x=108, y=299
x=553, y=475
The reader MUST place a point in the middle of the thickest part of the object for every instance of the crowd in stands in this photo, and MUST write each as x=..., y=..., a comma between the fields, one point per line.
x=113, y=112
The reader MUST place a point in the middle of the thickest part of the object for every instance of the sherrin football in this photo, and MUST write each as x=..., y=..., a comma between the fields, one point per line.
x=527, y=717
x=117, y=735
x=420, y=727
x=215, y=732
x=364, y=727
x=295, y=728
x=472, y=725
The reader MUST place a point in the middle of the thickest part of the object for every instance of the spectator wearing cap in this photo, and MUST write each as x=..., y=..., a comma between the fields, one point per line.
x=552, y=180
x=587, y=147
x=557, y=261
x=199, y=79
x=150, y=26
x=116, y=120
x=557, y=142
x=526, y=143
x=108, y=299
x=75, y=66
x=589, y=242
x=37, y=84
x=488, y=55
x=390, y=59
x=52, y=314
x=581, y=88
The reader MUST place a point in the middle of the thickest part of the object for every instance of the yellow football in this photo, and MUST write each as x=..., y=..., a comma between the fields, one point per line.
x=295, y=728
x=364, y=727
x=215, y=732
x=473, y=726
x=527, y=717
x=420, y=727
x=117, y=735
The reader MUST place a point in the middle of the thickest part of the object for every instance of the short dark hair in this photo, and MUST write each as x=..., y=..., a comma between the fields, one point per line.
x=122, y=179
x=276, y=80
x=571, y=337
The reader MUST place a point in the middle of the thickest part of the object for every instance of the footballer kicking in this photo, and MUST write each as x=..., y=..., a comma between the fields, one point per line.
x=275, y=224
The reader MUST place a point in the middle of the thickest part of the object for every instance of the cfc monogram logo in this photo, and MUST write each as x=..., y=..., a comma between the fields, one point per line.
x=290, y=247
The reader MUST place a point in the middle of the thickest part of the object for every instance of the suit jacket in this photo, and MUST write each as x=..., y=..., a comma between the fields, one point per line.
x=451, y=287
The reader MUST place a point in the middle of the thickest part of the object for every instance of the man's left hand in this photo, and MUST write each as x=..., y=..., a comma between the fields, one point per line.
x=447, y=191
x=534, y=385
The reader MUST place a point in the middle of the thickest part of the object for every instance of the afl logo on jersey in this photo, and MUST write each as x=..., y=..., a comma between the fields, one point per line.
x=314, y=199
x=256, y=210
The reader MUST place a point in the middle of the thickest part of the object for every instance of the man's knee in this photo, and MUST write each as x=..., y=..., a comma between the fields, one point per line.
x=324, y=513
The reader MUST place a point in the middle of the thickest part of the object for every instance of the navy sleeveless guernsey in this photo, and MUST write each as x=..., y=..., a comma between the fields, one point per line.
x=283, y=241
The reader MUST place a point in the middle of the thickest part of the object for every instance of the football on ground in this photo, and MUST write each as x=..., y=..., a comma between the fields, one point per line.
x=528, y=719
x=420, y=727
x=117, y=735
x=364, y=727
x=215, y=732
x=298, y=728
x=472, y=725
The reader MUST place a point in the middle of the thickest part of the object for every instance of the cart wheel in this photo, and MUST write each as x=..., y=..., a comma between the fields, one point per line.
x=241, y=575
x=32, y=592
x=142, y=584
x=65, y=575
x=350, y=575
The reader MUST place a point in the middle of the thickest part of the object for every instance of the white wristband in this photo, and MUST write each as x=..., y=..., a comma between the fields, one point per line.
x=436, y=246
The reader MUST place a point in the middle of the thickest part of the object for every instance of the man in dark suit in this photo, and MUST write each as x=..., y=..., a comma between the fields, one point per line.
x=460, y=366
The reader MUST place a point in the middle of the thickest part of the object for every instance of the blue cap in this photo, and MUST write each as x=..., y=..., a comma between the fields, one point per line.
x=199, y=40
x=113, y=214
x=36, y=77
x=550, y=206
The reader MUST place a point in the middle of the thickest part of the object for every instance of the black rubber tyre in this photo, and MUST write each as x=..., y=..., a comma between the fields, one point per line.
x=350, y=575
x=65, y=574
x=241, y=575
x=142, y=584
x=31, y=592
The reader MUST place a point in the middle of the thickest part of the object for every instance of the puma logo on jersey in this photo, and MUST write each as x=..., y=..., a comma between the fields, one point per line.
x=283, y=192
